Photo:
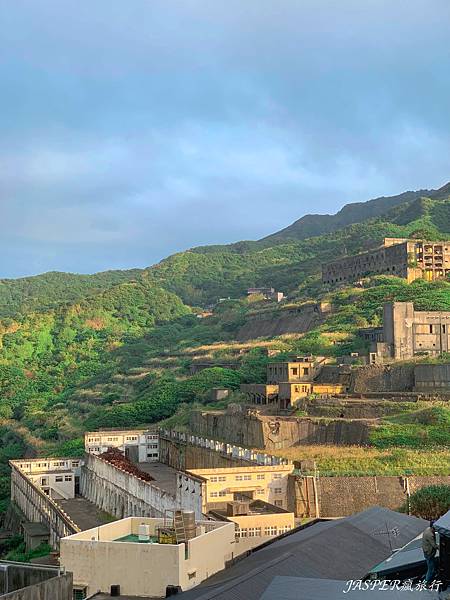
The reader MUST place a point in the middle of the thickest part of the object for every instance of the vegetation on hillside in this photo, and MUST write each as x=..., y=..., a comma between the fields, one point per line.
x=113, y=349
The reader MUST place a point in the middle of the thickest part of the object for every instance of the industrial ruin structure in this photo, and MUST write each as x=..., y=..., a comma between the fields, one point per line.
x=289, y=381
x=407, y=332
x=402, y=257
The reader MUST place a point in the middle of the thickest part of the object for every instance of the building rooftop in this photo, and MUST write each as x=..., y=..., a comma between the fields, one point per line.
x=300, y=588
x=442, y=525
x=255, y=507
x=340, y=549
x=165, y=477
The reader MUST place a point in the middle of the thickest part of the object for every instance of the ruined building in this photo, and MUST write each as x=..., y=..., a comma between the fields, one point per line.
x=407, y=332
x=410, y=259
x=289, y=381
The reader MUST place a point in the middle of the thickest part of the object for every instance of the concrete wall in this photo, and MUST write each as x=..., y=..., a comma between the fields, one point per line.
x=271, y=433
x=145, y=569
x=185, y=451
x=382, y=378
x=122, y=494
x=37, y=507
x=432, y=378
x=343, y=496
x=27, y=582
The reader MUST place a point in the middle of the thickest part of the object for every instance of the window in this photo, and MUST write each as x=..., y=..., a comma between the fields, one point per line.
x=279, y=503
x=222, y=478
x=295, y=371
x=251, y=532
x=277, y=475
x=75, y=463
x=152, y=455
x=154, y=446
x=238, y=478
x=213, y=495
x=131, y=438
x=213, y=479
x=222, y=493
x=306, y=371
x=278, y=491
x=270, y=531
x=58, y=478
x=431, y=328
x=243, y=533
x=261, y=492
x=260, y=476
x=68, y=478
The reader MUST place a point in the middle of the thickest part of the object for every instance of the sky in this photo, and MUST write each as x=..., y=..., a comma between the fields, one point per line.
x=133, y=129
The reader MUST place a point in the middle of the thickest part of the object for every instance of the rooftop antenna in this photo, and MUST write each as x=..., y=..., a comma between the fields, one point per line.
x=394, y=531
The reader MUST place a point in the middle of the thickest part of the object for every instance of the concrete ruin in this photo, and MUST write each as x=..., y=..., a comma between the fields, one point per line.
x=402, y=257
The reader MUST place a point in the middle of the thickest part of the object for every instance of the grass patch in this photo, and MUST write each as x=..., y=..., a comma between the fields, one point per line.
x=358, y=461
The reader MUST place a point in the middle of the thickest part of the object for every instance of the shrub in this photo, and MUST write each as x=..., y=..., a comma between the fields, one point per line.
x=430, y=502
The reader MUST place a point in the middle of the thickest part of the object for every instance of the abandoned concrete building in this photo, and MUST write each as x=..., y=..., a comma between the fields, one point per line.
x=402, y=257
x=268, y=293
x=250, y=495
x=288, y=382
x=407, y=332
x=138, y=445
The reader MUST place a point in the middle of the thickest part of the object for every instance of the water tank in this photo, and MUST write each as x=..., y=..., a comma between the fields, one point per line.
x=144, y=532
x=189, y=524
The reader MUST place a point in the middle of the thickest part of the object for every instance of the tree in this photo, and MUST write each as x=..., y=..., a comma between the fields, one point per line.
x=430, y=502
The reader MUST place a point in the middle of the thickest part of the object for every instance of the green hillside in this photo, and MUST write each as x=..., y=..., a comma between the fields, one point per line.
x=42, y=292
x=203, y=275
x=113, y=349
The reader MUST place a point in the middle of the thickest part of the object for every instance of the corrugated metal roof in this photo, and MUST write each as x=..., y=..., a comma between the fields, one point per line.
x=340, y=549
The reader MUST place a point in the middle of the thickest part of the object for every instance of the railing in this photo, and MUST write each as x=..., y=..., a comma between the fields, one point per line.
x=38, y=506
x=229, y=450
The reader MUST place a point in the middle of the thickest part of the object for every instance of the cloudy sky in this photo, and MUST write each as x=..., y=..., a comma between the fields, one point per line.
x=131, y=129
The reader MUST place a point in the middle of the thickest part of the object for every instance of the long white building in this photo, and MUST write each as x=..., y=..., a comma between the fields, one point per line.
x=139, y=445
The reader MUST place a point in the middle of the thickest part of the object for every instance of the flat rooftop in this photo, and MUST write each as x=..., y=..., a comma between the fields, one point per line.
x=256, y=507
x=84, y=513
x=165, y=477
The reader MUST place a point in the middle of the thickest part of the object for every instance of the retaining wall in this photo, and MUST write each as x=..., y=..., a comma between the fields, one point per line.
x=343, y=496
x=272, y=433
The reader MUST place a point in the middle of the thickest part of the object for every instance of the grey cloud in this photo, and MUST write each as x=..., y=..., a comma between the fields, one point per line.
x=132, y=130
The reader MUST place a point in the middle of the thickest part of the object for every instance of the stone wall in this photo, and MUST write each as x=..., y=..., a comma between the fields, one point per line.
x=273, y=323
x=382, y=378
x=432, y=378
x=343, y=496
x=271, y=433
x=125, y=495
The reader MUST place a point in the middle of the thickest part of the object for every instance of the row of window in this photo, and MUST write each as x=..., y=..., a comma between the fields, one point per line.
x=244, y=477
x=220, y=494
x=258, y=531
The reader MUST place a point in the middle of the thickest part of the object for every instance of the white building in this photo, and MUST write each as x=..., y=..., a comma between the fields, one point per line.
x=144, y=556
x=139, y=445
x=57, y=477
